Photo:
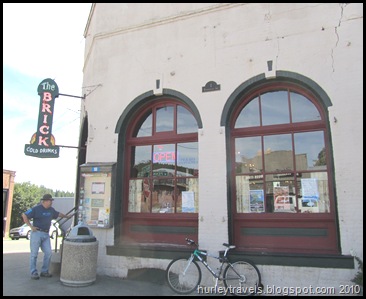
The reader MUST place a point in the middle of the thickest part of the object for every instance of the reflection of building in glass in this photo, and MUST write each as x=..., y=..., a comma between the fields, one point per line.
x=274, y=161
x=284, y=179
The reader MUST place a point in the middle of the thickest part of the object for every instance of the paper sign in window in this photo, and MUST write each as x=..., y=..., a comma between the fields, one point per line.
x=188, y=202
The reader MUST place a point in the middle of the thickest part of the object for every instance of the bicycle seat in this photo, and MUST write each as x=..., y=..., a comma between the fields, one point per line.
x=229, y=246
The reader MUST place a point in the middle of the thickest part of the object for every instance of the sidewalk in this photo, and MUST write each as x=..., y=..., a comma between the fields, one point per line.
x=17, y=282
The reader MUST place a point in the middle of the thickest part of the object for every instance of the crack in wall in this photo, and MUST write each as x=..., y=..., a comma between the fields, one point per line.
x=342, y=5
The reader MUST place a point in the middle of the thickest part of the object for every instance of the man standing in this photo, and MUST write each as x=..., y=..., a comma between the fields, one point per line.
x=42, y=216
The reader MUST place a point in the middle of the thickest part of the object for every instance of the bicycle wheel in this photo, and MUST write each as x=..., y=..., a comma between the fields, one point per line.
x=182, y=277
x=242, y=278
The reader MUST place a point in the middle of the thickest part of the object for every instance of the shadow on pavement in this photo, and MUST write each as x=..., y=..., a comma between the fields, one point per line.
x=17, y=282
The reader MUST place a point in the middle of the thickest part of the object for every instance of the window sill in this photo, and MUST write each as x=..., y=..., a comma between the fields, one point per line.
x=168, y=251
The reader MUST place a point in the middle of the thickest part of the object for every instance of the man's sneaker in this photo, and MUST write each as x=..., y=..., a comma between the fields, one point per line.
x=35, y=276
x=46, y=274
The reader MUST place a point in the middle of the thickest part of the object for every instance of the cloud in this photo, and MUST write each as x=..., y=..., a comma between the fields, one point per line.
x=46, y=41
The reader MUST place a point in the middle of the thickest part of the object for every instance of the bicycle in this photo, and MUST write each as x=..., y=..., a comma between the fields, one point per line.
x=240, y=278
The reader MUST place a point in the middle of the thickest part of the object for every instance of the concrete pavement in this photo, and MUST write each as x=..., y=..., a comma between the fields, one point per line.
x=17, y=282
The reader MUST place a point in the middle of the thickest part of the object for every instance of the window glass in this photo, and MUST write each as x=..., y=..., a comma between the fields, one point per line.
x=186, y=123
x=164, y=160
x=250, y=194
x=302, y=109
x=248, y=155
x=141, y=161
x=281, y=193
x=310, y=150
x=275, y=108
x=165, y=119
x=313, y=192
x=163, y=177
x=187, y=161
x=187, y=197
x=278, y=154
x=163, y=196
x=249, y=115
x=281, y=168
x=139, y=196
x=144, y=126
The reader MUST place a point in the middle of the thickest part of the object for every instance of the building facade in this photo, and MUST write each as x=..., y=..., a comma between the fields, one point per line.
x=8, y=190
x=225, y=122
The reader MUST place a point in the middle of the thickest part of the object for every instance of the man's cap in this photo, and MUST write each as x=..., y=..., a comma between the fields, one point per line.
x=47, y=197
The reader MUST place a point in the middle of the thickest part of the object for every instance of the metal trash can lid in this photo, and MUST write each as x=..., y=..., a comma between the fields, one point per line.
x=80, y=233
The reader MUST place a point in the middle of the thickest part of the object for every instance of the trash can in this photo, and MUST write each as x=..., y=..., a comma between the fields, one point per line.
x=79, y=257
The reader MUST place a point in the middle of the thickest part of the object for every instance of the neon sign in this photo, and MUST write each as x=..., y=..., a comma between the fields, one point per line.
x=164, y=157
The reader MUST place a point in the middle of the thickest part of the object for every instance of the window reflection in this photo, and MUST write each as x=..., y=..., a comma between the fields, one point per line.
x=186, y=123
x=281, y=193
x=187, y=199
x=308, y=193
x=249, y=115
x=248, y=157
x=163, y=196
x=313, y=193
x=139, y=196
x=278, y=155
x=187, y=162
x=174, y=172
x=283, y=190
x=302, y=109
x=310, y=150
x=250, y=195
x=275, y=108
x=141, y=161
x=164, y=177
x=293, y=178
x=144, y=126
x=165, y=119
x=164, y=160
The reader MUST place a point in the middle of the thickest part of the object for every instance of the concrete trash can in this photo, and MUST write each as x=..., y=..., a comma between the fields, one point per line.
x=79, y=257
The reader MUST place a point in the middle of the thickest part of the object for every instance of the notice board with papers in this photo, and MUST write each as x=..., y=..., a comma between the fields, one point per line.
x=96, y=194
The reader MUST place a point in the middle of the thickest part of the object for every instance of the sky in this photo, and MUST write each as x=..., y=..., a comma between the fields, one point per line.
x=42, y=41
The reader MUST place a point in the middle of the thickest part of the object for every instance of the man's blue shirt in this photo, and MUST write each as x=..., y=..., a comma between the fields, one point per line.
x=42, y=217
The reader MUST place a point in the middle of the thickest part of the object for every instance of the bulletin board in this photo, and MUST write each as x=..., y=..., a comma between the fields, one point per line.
x=95, y=196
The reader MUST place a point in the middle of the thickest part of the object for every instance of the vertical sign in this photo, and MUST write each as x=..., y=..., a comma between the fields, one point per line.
x=42, y=144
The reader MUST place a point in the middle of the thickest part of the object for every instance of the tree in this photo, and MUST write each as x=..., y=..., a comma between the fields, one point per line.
x=321, y=158
x=27, y=195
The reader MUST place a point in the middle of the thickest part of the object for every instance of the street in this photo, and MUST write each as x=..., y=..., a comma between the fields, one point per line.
x=22, y=245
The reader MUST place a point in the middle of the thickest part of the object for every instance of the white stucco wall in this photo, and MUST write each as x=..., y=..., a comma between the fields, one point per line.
x=185, y=45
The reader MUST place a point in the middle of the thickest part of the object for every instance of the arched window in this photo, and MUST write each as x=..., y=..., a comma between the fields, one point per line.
x=282, y=195
x=162, y=172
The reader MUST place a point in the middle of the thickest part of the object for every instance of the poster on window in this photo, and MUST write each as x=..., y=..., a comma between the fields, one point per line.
x=283, y=202
x=310, y=195
x=256, y=201
x=188, y=202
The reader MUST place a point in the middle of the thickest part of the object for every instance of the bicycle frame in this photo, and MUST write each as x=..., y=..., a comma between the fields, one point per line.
x=184, y=275
x=197, y=253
